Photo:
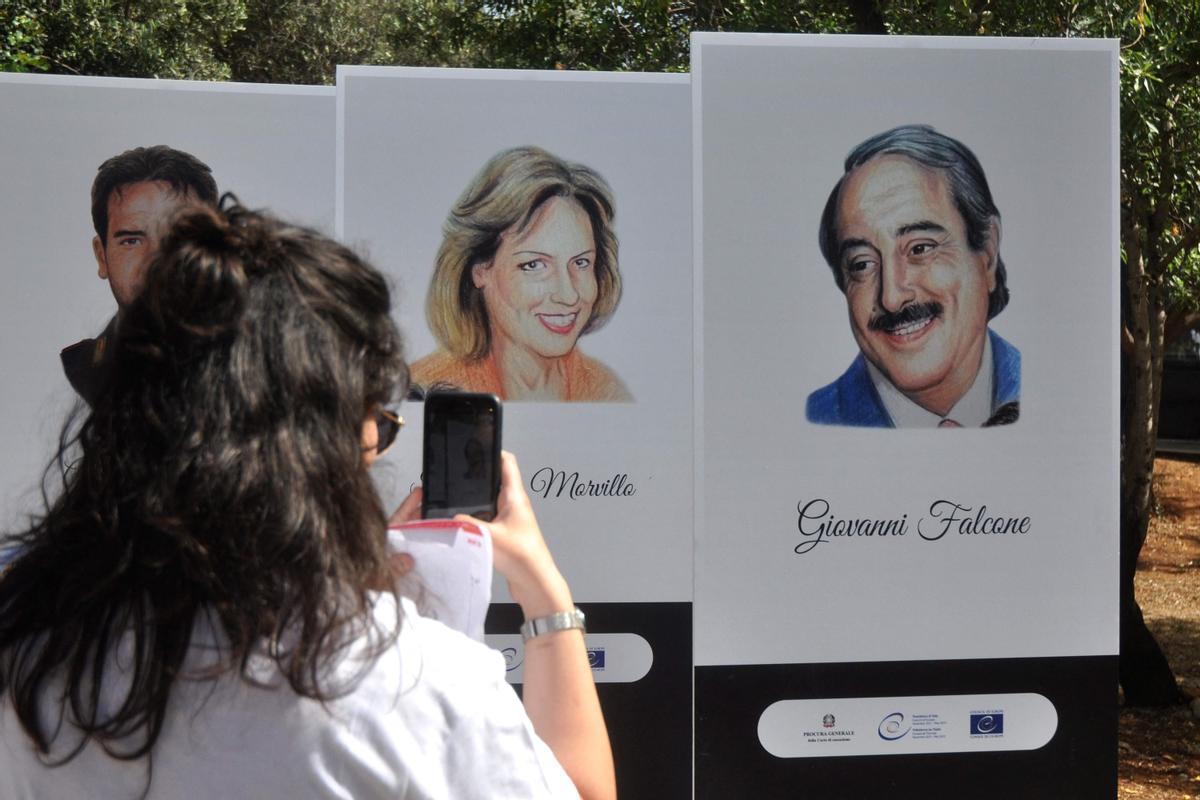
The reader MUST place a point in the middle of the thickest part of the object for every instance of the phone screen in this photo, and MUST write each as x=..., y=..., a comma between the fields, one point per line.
x=461, y=464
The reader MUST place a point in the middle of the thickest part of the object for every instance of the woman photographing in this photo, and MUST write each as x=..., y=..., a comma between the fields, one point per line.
x=208, y=608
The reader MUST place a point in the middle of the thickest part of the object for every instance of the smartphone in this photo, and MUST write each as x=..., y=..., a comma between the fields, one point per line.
x=461, y=462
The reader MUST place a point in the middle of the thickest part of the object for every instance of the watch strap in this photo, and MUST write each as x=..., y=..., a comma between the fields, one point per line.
x=562, y=621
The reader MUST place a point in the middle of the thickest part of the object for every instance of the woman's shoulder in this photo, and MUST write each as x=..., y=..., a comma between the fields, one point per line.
x=450, y=699
x=440, y=369
x=456, y=656
x=592, y=381
x=432, y=662
x=420, y=710
x=435, y=366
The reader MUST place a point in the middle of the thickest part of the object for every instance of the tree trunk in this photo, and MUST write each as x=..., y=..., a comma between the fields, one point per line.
x=868, y=18
x=1144, y=672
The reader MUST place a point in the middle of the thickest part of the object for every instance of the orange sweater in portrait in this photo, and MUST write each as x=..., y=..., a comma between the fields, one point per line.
x=588, y=381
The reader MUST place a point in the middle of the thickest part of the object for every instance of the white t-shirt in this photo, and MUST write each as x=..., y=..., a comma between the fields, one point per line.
x=432, y=718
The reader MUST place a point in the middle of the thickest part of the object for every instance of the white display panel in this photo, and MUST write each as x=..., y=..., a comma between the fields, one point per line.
x=410, y=142
x=271, y=145
x=775, y=118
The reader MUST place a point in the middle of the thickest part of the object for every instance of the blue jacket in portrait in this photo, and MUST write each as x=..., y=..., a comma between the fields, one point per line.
x=852, y=399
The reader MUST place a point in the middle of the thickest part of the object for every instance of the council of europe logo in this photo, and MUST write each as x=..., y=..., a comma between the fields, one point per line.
x=512, y=659
x=987, y=724
x=596, y=657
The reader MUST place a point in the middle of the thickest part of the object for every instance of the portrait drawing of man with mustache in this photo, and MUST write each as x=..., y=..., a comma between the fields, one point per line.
x=912, y=236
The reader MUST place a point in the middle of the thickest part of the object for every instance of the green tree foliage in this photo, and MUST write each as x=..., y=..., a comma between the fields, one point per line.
x=298, y=41
x=543, y=34
x=150, y=39
x=21, y=45
x=1160, y=175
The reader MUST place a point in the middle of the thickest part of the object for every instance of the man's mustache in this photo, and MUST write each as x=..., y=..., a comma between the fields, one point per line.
x=909, y=314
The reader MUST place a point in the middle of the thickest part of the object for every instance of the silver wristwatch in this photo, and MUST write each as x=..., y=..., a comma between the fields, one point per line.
x=562, y=621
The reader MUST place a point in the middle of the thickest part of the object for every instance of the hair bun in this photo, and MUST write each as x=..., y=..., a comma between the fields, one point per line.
x=195, y=290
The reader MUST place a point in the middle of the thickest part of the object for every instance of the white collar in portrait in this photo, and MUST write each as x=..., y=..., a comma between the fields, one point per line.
x=971, y=411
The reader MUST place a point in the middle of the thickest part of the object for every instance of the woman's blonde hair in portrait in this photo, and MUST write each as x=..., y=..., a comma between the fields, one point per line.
x=506, y=194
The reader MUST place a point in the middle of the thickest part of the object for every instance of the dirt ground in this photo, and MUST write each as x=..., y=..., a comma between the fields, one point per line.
x=1159, y=749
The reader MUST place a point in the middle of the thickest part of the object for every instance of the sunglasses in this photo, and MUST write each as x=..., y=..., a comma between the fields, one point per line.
x=388, y=423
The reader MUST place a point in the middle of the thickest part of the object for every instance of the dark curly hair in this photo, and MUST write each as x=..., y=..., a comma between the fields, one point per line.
x=221, y=474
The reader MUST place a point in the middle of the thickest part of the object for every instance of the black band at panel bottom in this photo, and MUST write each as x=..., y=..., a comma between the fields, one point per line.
x=1079, y=762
